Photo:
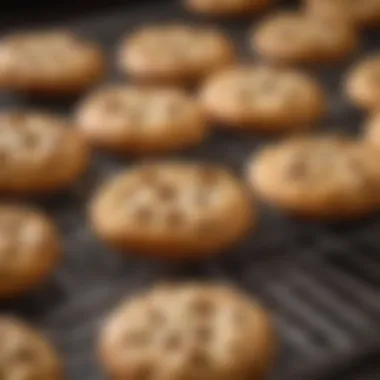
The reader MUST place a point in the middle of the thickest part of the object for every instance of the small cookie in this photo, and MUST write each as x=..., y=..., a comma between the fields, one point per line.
x=49, y=62
x=324, y=177
x=175, y=53
x=39, y=152
x=362, y=13
x=227, y=8
x=259, y=98
x=141, y=120
x=29, y=249
x=188, y=331
x=295, y=38
x=25, y=354
x=174, y=210
x=363, y=83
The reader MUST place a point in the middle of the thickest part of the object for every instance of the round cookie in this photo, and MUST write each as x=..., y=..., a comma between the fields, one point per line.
x=25, y=354
x=260, y=98
x=175, y=53
x=363, y=83
x=322, y=177
x=39, y=152
x=49, y=62
x=173, y=210
x=295, y=38
x=189, y=331
x=141, y=120
x=363, y=13
x=29, y=249
x=227, y=8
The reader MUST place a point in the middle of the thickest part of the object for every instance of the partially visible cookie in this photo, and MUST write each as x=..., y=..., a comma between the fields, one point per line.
x=39, y=152
x=372, y=130
x=175, y=210
x=363, y=13
x=188, y=331
x=29, y=249
x=141, y=120
x=227, y=8
x=49, y=62
x=295, y=38
x=260, y=98
x=363, y=83
x=175, y=53
x=321, y=177
x=25, y=354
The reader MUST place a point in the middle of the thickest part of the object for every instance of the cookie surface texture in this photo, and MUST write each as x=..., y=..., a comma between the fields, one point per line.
x=260, y=98
x=363, y=83
x=295, y=38
x=25, y=354
x=227, y=8
x=140, y=120
x=171, y=209
x=39, y=152
x=364, y=13
x=29, y=249
x=175, y=53
x=321, y=177
x=192, y=331
x=49, y=62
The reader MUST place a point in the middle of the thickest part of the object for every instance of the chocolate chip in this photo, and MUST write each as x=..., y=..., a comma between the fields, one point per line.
x=144, y=214
x=172, y=341
x=202, y=307
x=166, y=192
x=203, y=333
x=137, y=339
x=297, y=170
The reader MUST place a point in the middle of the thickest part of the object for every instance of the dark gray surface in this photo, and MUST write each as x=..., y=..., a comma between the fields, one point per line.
x=321, y=282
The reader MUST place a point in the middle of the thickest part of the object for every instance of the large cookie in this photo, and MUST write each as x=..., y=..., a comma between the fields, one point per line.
x=174, y=210
x=49, y=62
x=188, y=331
x=319, y=177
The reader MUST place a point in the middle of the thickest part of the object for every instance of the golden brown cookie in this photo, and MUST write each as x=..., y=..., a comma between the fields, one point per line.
x=175, y=53
x=363, y=83
x=29, y=249
x=372, y=130
x=141, y=120
x=49, y=62
x=25, y=354
x=39, y=152
x=319, y=177
x=295, y=38
x=175, y=210
x=362, y=13
x=260, y=98
x=227, y=8
x=189, y=331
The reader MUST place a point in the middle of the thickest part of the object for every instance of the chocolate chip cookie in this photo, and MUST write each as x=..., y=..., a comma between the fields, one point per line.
x=188, y=331
x=135, y=120
x=39, y=152
x=171, y=209
x=325, y=177
x=49, y=62
x=261, y=98
x=175, y=53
